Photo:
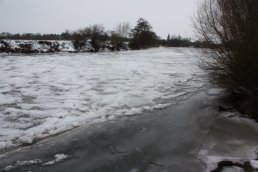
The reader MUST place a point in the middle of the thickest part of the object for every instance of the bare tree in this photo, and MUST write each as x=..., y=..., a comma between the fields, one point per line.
x=229, y=29
x=89, y=32
x=123, y=29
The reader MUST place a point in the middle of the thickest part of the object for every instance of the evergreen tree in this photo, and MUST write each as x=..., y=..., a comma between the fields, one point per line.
x=143, y=36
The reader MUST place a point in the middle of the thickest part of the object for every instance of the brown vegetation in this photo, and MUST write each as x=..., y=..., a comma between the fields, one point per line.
x=230, y=30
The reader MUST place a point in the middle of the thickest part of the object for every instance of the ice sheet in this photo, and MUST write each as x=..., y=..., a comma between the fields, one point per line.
x=42, y=95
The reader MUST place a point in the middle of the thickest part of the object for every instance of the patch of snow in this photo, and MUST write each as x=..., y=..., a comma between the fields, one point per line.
x=18, y=164
x=27, y=139
x=161, y=106
x=22, y=163
x=214, y=91
x=212, y=161
x=43, y=95
x=29, y=162
x=9, y=168
x=228, y=114
x=254, y=164
x=66, y=46
x=58, y=158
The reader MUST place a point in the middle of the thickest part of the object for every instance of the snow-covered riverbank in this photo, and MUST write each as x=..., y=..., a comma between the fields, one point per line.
x=43, y=95
x=48, y=46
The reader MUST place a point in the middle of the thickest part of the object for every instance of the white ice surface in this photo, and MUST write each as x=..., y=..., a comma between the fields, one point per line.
x=43, y=95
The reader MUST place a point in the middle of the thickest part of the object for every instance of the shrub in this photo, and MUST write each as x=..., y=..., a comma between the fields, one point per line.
x=230, y=30
x=78, y=44
x=5, y=47
x=26, y=48
x=45, y=42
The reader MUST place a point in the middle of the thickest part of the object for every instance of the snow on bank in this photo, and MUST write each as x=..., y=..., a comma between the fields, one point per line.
x=54, y=46
x=43, y=46
x=233, y=138
x=254, y=164
x=22, y=163
x=44, y=95
x=57, y=158
x=214, y=91
x=212, y=161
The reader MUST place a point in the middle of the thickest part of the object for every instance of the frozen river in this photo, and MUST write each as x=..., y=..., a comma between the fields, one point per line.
x=135, y=111
x=43, y=95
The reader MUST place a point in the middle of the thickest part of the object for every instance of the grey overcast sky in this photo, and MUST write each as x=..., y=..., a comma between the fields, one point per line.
x=55, y=16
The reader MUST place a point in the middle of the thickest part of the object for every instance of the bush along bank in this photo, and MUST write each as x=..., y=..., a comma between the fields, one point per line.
x=50, y=46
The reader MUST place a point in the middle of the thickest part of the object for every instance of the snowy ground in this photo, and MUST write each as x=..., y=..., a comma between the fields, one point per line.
x=42, y=95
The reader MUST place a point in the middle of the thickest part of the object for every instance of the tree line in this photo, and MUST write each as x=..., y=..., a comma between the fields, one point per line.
x=141, y=36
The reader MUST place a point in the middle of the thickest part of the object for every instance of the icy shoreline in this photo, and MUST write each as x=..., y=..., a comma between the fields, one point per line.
x=190, y=137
